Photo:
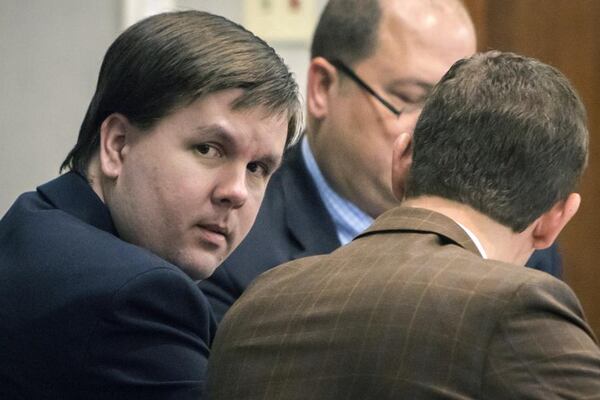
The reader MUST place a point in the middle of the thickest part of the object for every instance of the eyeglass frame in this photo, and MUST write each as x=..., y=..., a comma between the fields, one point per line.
x=340, y=65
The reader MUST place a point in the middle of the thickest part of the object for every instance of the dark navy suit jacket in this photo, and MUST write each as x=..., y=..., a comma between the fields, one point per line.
x=293, y=223
x=85, y=315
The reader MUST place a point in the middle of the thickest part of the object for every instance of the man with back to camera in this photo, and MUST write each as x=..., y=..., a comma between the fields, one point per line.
x=98, y=295
x=432, y=301
x=373, y=64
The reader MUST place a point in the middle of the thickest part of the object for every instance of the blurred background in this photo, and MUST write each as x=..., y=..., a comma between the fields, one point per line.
x=50, y=55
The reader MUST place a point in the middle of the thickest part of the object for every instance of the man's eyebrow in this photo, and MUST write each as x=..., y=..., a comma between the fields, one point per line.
x=426, y=86
x=218, y=131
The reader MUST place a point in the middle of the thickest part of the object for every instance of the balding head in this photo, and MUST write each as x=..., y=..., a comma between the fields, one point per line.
x=453, y=8
x=348, y=29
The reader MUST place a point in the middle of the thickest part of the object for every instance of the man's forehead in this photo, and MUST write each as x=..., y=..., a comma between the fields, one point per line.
x=425, y=18
x=420, y=9
x=420, y=47
x=261, y=110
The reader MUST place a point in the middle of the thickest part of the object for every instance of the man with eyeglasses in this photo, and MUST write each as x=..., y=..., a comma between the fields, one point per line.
x=373, y=63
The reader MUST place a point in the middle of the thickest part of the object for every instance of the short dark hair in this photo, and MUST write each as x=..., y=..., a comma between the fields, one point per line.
x=167, y=61
x=347, y=30
x=502, y=133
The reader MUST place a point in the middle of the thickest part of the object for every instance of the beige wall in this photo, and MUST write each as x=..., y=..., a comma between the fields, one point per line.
x=50, y=53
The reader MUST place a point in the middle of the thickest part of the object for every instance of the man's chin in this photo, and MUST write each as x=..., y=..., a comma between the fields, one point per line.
x=199, y=266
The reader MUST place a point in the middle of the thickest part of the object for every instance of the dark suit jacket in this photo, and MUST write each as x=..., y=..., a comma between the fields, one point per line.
x=85, y=315
x=408, y=310
x=293, y=223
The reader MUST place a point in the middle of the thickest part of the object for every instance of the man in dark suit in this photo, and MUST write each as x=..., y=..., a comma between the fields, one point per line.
x=98, y=296
x=373, y=64
x=432, y=301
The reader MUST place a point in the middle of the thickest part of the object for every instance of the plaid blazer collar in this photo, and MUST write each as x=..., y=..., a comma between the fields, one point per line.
x=421, y=220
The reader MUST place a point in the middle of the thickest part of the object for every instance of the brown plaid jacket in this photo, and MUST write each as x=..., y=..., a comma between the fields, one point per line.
x=408, y=310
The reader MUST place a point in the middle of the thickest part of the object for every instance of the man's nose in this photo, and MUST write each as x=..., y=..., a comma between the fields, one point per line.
x=231, y=190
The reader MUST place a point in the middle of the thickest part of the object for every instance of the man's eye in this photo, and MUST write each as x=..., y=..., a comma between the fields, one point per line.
x=208, y=150
x=258, y=168
x=410, y=99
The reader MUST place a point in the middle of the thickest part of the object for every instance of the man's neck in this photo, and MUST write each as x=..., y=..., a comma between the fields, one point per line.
x=349, y=220
x=498, y=241
x=93, y=177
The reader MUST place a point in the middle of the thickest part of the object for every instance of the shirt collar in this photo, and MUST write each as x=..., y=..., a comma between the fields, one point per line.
x=474, y=239
x=348, y=219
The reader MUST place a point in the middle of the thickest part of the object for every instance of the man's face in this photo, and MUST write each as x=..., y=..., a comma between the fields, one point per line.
x=189, y=188
x=354, y=143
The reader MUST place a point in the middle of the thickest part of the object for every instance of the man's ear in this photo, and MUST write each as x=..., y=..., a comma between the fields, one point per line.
x=548, y=225
x=113, y=144
x=401, y=162
x=321, y=76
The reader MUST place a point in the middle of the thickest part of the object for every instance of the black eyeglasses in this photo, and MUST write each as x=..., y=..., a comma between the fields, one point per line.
x=352, y=75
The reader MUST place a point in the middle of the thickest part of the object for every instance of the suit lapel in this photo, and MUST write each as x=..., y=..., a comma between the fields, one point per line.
x=306, y=217
x=421, y=220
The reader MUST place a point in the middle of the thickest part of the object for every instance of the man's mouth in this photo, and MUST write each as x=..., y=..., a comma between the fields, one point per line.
x=214, y=234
